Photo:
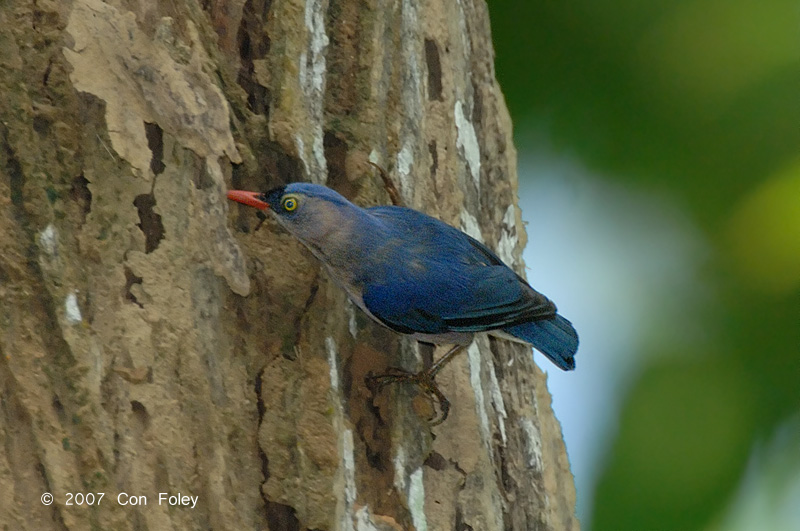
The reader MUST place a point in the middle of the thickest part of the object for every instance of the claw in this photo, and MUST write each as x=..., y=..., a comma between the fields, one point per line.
x=423, y=380
x=444, y=407
x=392, y=375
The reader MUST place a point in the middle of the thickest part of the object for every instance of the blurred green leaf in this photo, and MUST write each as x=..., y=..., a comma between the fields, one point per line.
x=764, y=234
x=697, y=100
x=682, y=443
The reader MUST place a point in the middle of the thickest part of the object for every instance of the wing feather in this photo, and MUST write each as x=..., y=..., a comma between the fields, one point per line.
x=443, y=280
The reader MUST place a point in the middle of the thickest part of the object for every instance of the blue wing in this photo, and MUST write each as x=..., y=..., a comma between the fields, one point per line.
x=433, y=279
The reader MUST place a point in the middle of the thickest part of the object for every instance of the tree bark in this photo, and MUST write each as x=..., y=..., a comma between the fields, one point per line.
x=153, y=341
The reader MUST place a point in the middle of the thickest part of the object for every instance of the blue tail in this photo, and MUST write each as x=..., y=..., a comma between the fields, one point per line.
x=555, y=338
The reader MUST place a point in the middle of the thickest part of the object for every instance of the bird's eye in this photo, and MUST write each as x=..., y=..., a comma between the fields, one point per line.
x=289, y=203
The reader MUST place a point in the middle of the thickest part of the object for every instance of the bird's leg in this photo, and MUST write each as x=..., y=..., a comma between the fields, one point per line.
x=424, y=379
x=444, y=360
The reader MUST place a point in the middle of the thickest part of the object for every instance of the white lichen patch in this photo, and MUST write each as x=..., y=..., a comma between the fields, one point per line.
x=499, y=403
x=508, y=237
x=364, y=520
x=314, y=17
x=71, y=310
x=301, y=147
x=469, y=224
x=533, y=448
x=405, y=162
x=474, y=356
x=467, y=142
x=400, y=469
x=509, y=218
x=48, y=241
x=412, y=486
x=374, y=157
x=348, y=469
x=463, y=30
x=416, y=500
x=314, y=164
x=409, y=343
x=318, y=151
x=412, y=95
x=312, y=78
x=330, y=348
x=346, y=496
x=352, y=324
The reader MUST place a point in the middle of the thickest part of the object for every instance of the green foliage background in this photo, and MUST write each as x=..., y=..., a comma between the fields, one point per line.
x=699, y=100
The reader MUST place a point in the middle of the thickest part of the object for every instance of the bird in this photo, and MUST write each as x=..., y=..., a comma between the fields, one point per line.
x=419, y=276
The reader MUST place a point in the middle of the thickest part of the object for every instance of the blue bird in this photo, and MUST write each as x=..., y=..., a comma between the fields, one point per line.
x=417, y=275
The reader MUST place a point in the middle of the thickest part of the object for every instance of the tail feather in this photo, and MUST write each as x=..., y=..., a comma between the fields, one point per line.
x=555, y=338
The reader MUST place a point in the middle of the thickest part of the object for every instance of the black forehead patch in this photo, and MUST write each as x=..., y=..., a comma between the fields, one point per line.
x=273, y=197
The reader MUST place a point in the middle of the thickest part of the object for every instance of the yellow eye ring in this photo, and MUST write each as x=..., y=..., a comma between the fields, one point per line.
x=289, y=203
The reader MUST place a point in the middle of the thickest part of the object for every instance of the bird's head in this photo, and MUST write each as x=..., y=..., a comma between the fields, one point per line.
x=311, y=212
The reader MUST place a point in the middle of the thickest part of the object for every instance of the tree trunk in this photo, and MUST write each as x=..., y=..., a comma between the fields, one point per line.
x=153, y=341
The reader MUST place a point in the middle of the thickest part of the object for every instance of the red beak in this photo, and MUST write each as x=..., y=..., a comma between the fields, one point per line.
x=248, y=198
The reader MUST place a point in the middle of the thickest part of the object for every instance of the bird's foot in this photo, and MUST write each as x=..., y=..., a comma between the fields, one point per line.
x=423, y=379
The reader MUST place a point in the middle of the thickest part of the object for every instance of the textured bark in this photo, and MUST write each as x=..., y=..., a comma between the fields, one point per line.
x=153, y=341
